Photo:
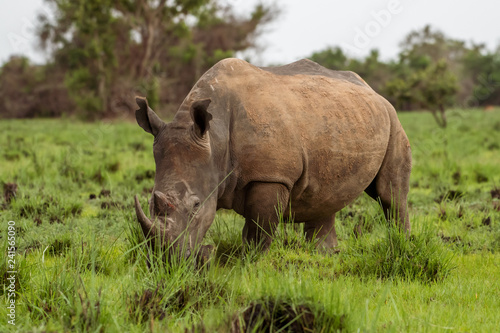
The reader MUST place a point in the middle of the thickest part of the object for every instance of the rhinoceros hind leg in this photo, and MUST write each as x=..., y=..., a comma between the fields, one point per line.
x=391, y=185
x=262, y=202
x=323, y=231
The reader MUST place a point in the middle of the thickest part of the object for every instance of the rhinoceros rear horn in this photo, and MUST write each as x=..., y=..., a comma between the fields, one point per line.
x=148, y=228
x=147, y=118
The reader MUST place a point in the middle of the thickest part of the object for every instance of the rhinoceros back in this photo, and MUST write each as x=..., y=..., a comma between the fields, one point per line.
x=308, y=67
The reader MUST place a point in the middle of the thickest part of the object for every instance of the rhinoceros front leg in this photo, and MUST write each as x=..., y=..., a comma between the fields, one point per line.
x=322, y=230
x=262, y=202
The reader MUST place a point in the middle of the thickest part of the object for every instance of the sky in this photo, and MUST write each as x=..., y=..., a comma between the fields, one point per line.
x=307, y=26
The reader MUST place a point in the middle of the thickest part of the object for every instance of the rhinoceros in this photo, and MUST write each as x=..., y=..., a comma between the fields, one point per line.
x=299, y=139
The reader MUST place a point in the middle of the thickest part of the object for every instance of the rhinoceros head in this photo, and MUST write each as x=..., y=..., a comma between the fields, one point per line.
x=183, y=203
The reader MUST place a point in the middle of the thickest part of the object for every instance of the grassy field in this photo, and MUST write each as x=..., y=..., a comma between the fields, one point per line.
x=68, y=186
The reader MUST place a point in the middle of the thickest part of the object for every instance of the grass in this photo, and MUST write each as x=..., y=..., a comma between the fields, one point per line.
x=83, y=266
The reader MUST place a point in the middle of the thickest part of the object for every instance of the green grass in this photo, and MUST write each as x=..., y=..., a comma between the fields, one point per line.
x=82, y=264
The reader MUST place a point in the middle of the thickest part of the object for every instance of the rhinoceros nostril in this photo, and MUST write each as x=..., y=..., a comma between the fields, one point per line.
x=197, y=205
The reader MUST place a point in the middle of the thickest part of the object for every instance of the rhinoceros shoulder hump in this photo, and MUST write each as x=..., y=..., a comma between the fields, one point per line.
x=309, y=67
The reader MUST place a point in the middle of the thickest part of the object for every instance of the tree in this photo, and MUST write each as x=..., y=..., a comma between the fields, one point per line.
x=371, y=69
x=433, y=44
x=17, y=82
x=28, y=90
x=432, y=88
x=401, y=92
x=483, y=71
x=436, y=88
x=111, y=50
x=332, y=58
x=83, y=38
x=472, y=64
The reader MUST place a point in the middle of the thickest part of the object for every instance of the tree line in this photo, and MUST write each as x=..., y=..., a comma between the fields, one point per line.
x=432, y=72
x=103, y=52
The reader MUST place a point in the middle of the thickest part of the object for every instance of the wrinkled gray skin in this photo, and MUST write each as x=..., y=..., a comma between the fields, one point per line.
x=297, y=138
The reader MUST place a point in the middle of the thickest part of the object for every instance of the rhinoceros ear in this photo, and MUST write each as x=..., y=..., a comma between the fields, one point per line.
x=201, y=117
x=147, y=118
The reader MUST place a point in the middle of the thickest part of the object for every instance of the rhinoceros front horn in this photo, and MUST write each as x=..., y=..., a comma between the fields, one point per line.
x=147, y=226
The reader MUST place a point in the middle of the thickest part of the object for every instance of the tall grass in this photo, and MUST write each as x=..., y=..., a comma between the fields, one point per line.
x=397, y=255
x=83, y=264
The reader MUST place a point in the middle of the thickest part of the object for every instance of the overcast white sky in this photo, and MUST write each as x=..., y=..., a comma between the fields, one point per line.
x=312, y=25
